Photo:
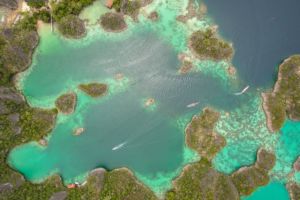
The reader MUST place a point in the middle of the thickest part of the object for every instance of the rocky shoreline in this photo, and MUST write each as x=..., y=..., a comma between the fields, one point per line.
x=283, y=101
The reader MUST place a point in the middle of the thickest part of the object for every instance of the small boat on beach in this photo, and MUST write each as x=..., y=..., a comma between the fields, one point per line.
x=192, y=104
x=243, y=91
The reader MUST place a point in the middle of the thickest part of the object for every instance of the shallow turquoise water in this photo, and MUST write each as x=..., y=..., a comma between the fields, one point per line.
x=152, y=138
x=273, y=191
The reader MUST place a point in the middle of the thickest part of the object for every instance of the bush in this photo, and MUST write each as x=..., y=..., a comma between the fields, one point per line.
x=36, y=3
x=69, y=7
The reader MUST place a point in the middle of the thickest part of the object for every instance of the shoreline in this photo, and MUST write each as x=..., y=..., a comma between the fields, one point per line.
x=267, y=112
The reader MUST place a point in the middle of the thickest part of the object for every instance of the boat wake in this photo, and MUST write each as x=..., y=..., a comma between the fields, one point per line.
x=119, y=146
x=243, y=91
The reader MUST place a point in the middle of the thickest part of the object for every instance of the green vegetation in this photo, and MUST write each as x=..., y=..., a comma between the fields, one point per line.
x=66, y=103
x=113, y=22
x=64, y=8
x=72, y=26
x=27, y=190
x=16, y=47
x=206, y=45
x=130, y=8
x=201, y=137
x=43, y=15
x=94, y=89
x=200, y=181
x=247, y=179
x=36, y=3
x=294, y=190
x=120, y=184
x=285, y=98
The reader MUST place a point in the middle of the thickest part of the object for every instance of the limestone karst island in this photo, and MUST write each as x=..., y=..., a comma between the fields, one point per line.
x=149, y=100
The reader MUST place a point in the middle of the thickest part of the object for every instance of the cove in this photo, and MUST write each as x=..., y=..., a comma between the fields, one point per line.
x=152, y=139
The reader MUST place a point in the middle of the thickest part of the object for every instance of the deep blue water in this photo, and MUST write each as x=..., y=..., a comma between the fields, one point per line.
x=263, y=34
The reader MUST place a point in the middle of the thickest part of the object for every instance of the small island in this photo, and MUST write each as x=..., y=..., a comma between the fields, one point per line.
x=200, y=135
x=284, y=100
x=186, y=67
x=72, y=26
x=206, y=45
x=94, y=89
x=113, y=22
x=149, y=102
x=66, y=103
x=130, y=8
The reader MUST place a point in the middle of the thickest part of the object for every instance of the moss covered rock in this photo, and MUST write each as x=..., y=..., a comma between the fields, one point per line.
x=72, y=26
x=94, y=89
x=206, y=45
x=66, y=103
x=120, y=184
x=113, y=22
x=200, y=134
x=284, y=100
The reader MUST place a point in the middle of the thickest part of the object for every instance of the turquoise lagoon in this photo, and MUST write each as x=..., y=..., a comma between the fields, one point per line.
x=152, y=139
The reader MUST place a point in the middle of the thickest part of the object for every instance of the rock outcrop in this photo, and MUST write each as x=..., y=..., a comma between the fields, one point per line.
x=200, y=134
x=94, y=89
x=10, y=4
x=66, y=103
x=284, y=100
x=247, y=179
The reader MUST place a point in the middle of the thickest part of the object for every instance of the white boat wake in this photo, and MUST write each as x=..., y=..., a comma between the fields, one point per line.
x=243, y=91
x=119, y=146
x=192, y=104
